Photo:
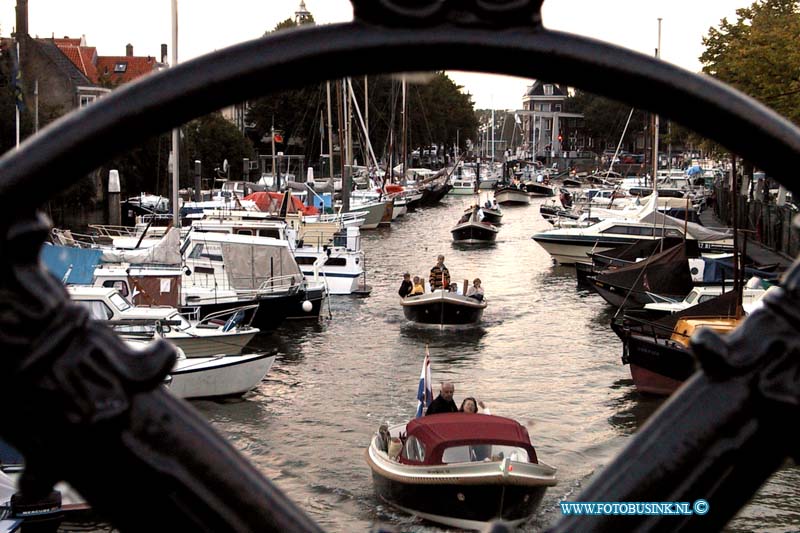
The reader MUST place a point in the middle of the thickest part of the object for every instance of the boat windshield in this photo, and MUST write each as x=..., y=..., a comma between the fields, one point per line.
x=484, y=452
x=119, y=302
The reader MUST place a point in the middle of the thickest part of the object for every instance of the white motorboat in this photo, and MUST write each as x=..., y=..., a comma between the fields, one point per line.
x=221, y=332
x=219, y=376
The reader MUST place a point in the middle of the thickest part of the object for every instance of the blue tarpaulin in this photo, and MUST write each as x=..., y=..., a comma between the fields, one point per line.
x=718, y=270
x=82, y=262
x=694, y=170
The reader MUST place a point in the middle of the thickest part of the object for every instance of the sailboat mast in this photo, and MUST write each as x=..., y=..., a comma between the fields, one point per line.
x=176, y=219
x=405, y=125
x=330, y=130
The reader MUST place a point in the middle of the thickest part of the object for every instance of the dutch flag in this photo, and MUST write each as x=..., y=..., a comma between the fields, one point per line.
x=424, y=392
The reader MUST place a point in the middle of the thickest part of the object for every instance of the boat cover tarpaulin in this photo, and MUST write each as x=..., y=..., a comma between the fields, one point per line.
x=164, y=252
x=444, y=430
x=721, y=306
x=271, y=202
x=666, y=273
x=646, y=248
x=82, y=262
x=695, y=231
x=250, y=265
x=718, y=270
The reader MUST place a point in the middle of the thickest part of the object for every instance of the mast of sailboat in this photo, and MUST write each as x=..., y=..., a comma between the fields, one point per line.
x=370, y=152
x=330, y=130
x=176, y=219
x=342, y=149
x=656, y=127
x=737, y=286
x=405, y=125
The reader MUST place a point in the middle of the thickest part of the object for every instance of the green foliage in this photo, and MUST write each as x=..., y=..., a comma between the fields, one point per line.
x=605, y=119
x=212, y=139
x=758, y=54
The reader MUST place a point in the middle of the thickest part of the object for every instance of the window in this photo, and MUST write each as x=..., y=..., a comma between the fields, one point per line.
x=206, y=251
x=484, y=452
x=274, y=233
x=620, y=230
x=336, y=261
x=244, y=232
x=414, y=450
x=118, y=284
x=87, y=99
x=97, y=309
x=548, y=90
x=120, y=67
x=557, y=107
x=119, y=302
x=305, y=260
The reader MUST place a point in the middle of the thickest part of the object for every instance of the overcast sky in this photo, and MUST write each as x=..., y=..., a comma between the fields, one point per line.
x=205, y=26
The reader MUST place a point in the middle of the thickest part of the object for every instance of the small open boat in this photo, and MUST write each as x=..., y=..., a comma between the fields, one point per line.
x=443, y=308
x=512, y=196
x=472, y=228
x=459, y=469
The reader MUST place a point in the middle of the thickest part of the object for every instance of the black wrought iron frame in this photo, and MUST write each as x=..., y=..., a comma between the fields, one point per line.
x=90, y=412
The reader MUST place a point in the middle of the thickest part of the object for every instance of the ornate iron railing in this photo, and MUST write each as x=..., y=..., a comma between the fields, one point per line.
x=84, y=409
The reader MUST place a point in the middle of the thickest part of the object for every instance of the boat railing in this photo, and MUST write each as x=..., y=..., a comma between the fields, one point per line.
x=65, y=237
x=277, y=284
x=224, y=315
x=106, y=230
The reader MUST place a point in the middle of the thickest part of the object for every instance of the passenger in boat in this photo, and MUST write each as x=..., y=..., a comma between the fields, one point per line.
x=444, y=402
x=494, y=205
x=440, y=276
x=454, y=288
x=488, y=204
x=406, y=287
x=476, y=290
x=419, y=287
x=470, y=405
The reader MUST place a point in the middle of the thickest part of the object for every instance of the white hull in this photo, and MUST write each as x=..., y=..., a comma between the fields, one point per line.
x=462, y=191
x=337, y=282
x=230, y=375
x=565, y=254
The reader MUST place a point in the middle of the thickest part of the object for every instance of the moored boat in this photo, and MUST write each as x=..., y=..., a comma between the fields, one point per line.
x=460, y=469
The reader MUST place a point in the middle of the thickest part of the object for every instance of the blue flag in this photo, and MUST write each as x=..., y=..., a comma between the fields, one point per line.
x=424, y=392
x=16, y=80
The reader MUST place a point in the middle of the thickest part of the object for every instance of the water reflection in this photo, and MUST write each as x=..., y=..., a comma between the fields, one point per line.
x=631, y=408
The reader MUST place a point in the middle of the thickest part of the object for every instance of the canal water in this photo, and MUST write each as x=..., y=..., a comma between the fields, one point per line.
x=544, y=354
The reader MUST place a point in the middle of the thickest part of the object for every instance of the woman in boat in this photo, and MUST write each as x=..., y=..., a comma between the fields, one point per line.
x=470, y=405
x=476, y=290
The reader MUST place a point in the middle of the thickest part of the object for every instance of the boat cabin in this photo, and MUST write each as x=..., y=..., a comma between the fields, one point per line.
x=463, y=437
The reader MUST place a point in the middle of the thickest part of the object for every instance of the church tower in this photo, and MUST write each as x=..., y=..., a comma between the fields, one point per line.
x=303, y=15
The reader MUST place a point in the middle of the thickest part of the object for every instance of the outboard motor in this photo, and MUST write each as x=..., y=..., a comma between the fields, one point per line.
x=40, y=514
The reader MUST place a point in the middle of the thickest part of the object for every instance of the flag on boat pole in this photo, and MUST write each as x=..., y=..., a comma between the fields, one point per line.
x=424, y=392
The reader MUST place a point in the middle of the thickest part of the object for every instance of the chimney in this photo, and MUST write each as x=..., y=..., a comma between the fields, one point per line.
x=22, y=19
x=164, y=54
x=129, y=50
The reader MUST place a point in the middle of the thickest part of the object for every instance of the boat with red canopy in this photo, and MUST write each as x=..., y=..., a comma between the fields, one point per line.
x=459, y=469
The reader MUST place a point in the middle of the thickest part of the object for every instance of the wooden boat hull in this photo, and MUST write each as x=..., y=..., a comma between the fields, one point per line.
x=443, y=308
x=512, y=196
x=657, y=367
x=474, y=233
x=458, y=505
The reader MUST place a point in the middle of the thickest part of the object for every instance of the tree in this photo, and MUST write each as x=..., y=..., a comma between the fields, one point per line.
x=758, y=54
x=605, y=119
x=212, y=139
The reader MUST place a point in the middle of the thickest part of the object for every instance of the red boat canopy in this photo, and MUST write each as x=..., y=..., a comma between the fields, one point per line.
x=438, y=432
x=271, y=202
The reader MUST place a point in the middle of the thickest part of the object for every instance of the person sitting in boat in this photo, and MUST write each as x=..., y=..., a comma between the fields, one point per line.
x=454, y=288
x=470, y=405
x=444, y=402
x=488, y=204
x=406, y=287
x=419, y=287
x=440, y=276
x=476, y=290
x=566, y=198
